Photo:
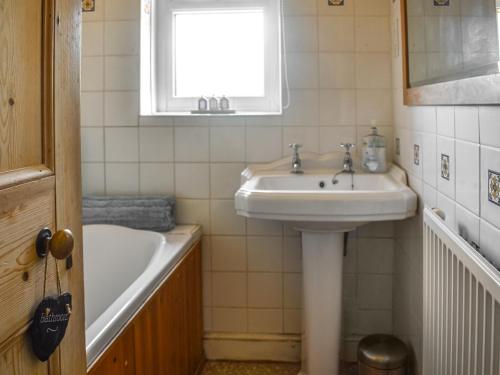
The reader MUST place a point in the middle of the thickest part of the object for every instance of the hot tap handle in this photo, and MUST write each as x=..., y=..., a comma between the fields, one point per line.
x=295, y=147
x=347, y=146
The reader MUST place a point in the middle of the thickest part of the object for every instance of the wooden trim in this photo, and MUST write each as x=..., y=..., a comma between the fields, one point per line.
x=48, y=82
x=23, y=175
x=67, y=166
x=480, y=90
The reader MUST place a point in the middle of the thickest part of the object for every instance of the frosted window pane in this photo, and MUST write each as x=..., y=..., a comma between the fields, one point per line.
x=219, y=53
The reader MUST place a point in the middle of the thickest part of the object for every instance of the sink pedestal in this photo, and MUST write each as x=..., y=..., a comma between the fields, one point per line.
x=323, y=254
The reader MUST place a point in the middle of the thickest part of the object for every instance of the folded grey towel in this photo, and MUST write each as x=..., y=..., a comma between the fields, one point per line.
x=148, y=213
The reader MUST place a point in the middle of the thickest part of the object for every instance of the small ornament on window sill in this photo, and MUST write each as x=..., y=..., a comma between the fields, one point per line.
x=88, y=5
x=224, y=104
x=202, y=104
x=213, y=104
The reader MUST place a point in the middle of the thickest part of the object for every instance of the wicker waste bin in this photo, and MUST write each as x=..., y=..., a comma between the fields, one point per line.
x=382, y=355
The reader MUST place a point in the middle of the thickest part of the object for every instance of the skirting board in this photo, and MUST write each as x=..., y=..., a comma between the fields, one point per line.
x=261, y=347
x=252, y=347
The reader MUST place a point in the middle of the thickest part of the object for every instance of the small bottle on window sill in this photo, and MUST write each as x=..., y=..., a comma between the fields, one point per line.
x=214, y=104
x=203, y=104
x=224, y=103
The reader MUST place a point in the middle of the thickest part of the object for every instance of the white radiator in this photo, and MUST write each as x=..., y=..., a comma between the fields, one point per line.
x=461, y=305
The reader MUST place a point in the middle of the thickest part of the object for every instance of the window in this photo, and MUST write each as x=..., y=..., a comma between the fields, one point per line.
x=199, y=48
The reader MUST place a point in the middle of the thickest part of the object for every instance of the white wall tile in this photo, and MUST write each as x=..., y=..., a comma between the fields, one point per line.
x=265, y=321
x=265, y=254
x=121, y=38
x=300, y=8
x=429, y=157
x=336, y=34
x=337, y=107
x=225, y=179
x=303, y=109
x=330, y=138
x=224, y=219
x=265, y=290
x=157, y=178
x=229, y=289
x=449, y=207
x=229, y=320
x=263, y=144
x=92, y=144
x=302, y=70
x=194, y=211
x=337, y=70
x=121, y=10
x=307, y=136
x=191, y=144
x=467, y=224
x=93, y=179
x=122, y=144
x=446, y=118
x=192, y=180
x=121, y=73
x=301, y=34
x=122, y=178
x=92, y=73
x=374, y=105
x=93, y=39
x=156, y=144
x=372, y=34
x=292, y=290
x=490, y=238
x=373, y=70
x=375, y=291
x=292, y=320
x=292, y=254
x=256, y=227
x=92, y=109
x=227, y=144
x=375, y=256
x=468, y=175
x=121, y=108
x=489, y=129
x=371, y=7
x=229, y=253
x=467, y=123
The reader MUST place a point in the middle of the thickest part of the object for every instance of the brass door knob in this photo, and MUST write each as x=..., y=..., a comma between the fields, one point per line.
x=60, y=244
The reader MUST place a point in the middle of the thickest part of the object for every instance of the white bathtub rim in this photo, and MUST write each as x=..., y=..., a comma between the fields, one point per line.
x=110, y=323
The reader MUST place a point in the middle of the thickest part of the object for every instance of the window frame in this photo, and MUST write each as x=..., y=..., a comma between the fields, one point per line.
x=157, y=60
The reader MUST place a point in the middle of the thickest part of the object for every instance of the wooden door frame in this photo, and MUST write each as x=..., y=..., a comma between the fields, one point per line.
x=67, y=166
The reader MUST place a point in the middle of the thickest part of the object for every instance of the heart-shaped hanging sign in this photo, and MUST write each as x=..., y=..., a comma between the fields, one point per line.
x=49, y=325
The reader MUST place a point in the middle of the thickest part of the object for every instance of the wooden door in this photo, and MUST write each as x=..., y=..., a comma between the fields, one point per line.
x=39, y=173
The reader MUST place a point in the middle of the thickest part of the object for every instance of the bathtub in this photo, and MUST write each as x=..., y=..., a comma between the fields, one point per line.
x=122, y=268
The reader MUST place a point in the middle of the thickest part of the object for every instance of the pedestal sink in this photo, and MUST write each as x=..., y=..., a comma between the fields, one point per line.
x=323, y=212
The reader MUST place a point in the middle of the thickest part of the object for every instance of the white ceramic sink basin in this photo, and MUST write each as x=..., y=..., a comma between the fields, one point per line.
x=323, y=211
x=312, y=197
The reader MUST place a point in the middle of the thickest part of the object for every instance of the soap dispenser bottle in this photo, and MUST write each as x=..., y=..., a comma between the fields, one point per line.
x=374, y=152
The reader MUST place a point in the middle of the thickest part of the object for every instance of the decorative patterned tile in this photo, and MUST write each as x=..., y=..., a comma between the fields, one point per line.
x=398, y=147
x=445, y=166
x=494, y=187
x=441, y=3
x=88, y=5
x=416, y=154
x=335, y=3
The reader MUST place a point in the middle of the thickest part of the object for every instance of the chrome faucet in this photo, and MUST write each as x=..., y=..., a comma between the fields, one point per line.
x=296, y=161
x=347, y=164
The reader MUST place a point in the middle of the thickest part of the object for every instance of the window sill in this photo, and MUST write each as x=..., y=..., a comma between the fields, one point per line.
x=189, y=114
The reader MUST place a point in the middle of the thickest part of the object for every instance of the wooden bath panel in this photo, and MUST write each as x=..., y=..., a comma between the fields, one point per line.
x=166, y=336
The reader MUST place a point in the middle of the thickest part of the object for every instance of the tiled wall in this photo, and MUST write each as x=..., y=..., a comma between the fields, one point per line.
x=469, y=138
x=340, y=76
